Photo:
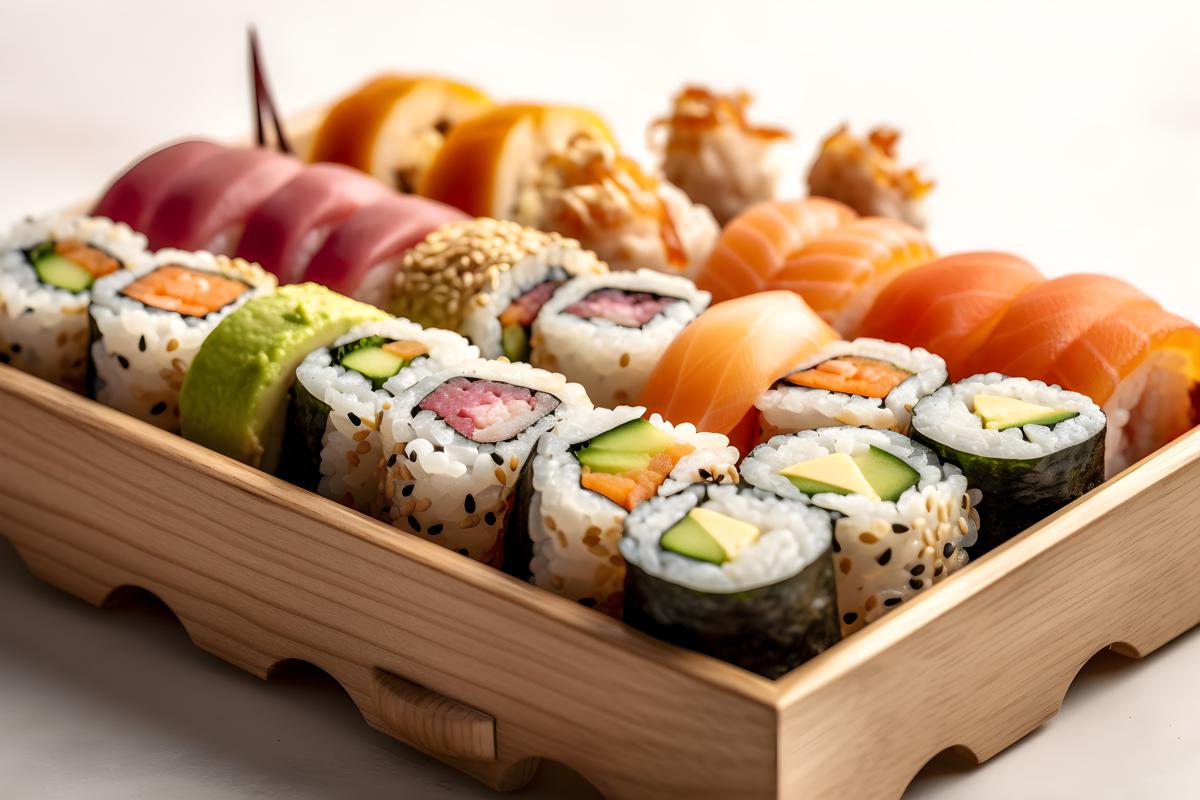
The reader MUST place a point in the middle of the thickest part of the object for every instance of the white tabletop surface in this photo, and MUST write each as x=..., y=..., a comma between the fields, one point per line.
x=1068, y=133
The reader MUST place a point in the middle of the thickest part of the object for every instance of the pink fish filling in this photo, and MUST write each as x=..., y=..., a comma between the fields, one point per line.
x=629, y=309
x=488, y=411
x=524, y=310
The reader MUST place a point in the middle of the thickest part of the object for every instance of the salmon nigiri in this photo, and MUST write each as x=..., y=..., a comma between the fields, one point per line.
x=840, y=272
x=1100, y=336
x=713, y=372
x=949, y=306
x=756, y=243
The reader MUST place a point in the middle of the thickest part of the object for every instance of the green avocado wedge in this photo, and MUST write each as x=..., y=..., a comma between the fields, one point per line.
x=234, y=398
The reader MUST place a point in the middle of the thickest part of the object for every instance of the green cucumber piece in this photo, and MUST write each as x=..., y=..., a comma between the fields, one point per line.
x=688, y=538
x=889, y=475
x=63, y=273
x=514, y=341
x=375, y=364
x=613, y=461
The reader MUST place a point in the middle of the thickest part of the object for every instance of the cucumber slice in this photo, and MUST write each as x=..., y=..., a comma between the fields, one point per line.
x=374, y=364
x=613, y=462
x=689, y=539
x=63, y=273
x=514, y=341
x=637, y=435
x=836, y=472
x=1001, y=413
x=890, y=476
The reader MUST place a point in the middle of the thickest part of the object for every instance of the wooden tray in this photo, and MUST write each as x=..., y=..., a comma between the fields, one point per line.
x=490, y=674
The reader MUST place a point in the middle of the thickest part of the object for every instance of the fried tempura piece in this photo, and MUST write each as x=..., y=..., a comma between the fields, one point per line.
x=865, y=175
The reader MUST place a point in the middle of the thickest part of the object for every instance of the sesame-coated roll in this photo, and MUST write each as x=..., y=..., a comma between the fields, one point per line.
x=148, y=324
x=488, y=279
x=454, y=446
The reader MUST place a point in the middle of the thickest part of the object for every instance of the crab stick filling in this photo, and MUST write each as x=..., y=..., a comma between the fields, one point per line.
x=857, y=375
x=189, y=292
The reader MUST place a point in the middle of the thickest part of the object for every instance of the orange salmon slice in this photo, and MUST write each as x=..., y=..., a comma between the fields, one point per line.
x=185, y=291
x=97, y=262
x=867, y=377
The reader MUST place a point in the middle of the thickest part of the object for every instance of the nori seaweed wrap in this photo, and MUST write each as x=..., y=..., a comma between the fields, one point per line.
x=1031, y=448
x=738, y=574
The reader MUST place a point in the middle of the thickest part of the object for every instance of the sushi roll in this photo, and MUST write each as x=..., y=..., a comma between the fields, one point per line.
x=608, y=332
x=583, y=480
x=902, y=518
x=864, y=383
x=148, y=323
x=48, y=268
x=739, y=574
x=455, y=444
x=332, y=442
x=1030, y=447
x=488, y=279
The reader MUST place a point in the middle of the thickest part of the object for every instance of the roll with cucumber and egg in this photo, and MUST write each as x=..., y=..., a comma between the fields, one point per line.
x=148, y=324
x=581, y=482
x=607, y=332
x=488, y=279
x=332, y=443
x=902, y=517
x=737, y=573
x=454, y=446
x=865, y=382
x=1031, y=447
x=47, y=270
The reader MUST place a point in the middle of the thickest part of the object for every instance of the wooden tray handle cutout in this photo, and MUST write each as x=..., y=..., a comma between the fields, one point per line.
x=433, y=721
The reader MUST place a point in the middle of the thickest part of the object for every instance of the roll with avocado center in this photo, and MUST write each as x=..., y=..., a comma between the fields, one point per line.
x=903, y=519
x=583, y=479
x=47, y=270
x=332, y=445
x=866, y=382
x=737, y=573
x=1030, y=447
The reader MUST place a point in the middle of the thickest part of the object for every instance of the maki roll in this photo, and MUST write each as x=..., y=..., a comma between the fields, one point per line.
x=488, y=279
x=332, y=442
x=608, y=332
x=1031, y=448
x=902, y=518
x=47, y=270
x=864, y=383
x=739, y=574
x=583, y=480
x=455, y=444
x=148, y=323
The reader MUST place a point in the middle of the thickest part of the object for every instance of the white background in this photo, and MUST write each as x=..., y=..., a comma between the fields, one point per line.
x=1068, y=133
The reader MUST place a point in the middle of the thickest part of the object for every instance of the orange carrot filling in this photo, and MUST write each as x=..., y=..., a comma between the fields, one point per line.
x=628, y=489
x=97, y=262
x=406, y=349
x=185, y=291
x=866, y=377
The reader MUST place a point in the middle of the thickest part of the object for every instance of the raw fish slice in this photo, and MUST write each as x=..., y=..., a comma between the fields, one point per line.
x=840, y=272
x=949, y=306
x=133, y=196
x=757, y=243
x=361, y=255
x=1046, y=319
x=713, y=372
x=290, y=227
x=207, y=206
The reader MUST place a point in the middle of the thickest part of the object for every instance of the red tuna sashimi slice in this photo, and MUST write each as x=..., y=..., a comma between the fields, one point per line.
x=133, y=196
x=289, y=228
x=207, y=206
x=362, y=254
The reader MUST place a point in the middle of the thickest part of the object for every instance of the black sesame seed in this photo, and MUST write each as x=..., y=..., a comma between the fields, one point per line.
x=489, y=518
x=917, y=570
x=850, y=618
x=413, y=523
x=158, y=408
x=884, y=557
x=892, y=601
x=435, y=529
x=469, y=503
x=589, y=602
x=917, y=583
x=354, y=418
x=462, y=551
x=16, y=348
x=499, y=459
x=4, y=358
x=705, y=474
x=142, y=344
x=384, y=509
x=898, y=528
x=392, y=460
x=408, y=489
x=948, y=550
x=412, y=455
x=938, y=571
x=27, y=311
x=123, y=361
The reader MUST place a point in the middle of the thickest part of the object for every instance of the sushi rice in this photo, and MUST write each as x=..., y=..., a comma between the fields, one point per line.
x=885, y=552
x=612, y=360
x=140, y=353
x=44, y=328
x=787, y=408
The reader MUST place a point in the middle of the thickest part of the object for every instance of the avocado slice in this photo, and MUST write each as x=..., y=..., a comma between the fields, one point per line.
x=836, y=472
x=514, y=341
x=708, y=535
x=889, y=475
x=613, y=461
x=1000, y=413
x=234, y=397
x=63, y=273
